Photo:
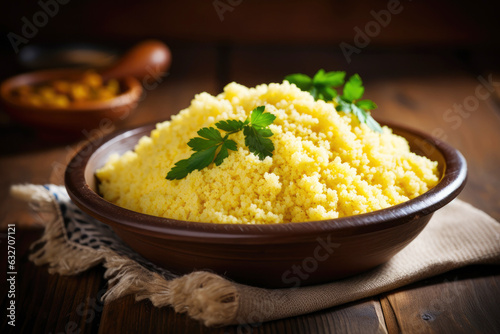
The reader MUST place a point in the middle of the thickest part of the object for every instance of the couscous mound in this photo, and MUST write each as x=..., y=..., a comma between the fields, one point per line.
x=325, y=164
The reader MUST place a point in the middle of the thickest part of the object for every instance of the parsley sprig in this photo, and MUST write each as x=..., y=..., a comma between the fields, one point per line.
x=210, y=140
x=321, y=87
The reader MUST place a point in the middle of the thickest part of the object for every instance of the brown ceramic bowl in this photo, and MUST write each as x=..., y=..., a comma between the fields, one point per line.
x=72, y=120
x=281, y=255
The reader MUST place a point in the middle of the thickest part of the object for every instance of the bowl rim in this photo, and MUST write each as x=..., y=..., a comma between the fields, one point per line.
x=451, y=183
x=132, y=93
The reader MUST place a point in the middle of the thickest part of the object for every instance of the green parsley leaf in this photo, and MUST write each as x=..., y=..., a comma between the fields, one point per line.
x=231, y=125
x=210, y=133
x=199, y=144
x=223, y=153
x=353, y=89
x=315, y=93
x=261, y=119
x=257, y=142
x=344, y=106
x=366, y=104
x=363, y=116
x=205, y=147
x=327, y=93
x=321, y=88
x=329, y=79
x=359, y=113
x=213, y=138
x=256, y=133
x=302, y=81
x=231, y=144
x=179, y=171
x=203, y=156
x=201, y=159
x=319, y=76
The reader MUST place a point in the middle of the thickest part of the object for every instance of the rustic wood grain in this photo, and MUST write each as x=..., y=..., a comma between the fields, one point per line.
x=391, y=320
x=23, y=241
x=51, y=303
x=461, y=301
x=368, y=315
x=127, y=316
x=67, y=304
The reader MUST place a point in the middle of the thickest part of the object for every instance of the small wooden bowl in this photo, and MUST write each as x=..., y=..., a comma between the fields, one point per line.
x=71, y=120
x=147, y=59
x=280, y=255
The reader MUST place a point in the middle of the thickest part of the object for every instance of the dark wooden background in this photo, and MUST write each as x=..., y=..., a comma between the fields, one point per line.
x=429, y=59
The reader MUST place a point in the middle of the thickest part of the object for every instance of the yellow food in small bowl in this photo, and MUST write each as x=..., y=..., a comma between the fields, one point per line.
x=64, y=93
x=325, y=164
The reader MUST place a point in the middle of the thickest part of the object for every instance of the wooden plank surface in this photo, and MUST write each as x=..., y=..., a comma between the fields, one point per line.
x=414, y=88
x=52, y=303
x=127, y=316
x=23, y=240
x=461, y=301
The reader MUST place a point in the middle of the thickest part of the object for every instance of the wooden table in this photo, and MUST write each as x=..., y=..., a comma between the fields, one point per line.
x=420, y=88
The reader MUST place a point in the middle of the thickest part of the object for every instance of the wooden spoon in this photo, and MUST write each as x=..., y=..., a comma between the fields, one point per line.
x=145, y=60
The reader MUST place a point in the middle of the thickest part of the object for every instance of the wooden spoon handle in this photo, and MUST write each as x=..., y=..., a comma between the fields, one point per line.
x=148, y=59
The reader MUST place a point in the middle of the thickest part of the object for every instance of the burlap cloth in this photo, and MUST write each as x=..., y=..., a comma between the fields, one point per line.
x=458, y=235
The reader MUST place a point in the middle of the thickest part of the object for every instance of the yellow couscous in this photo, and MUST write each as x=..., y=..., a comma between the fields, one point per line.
x=325, y=164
